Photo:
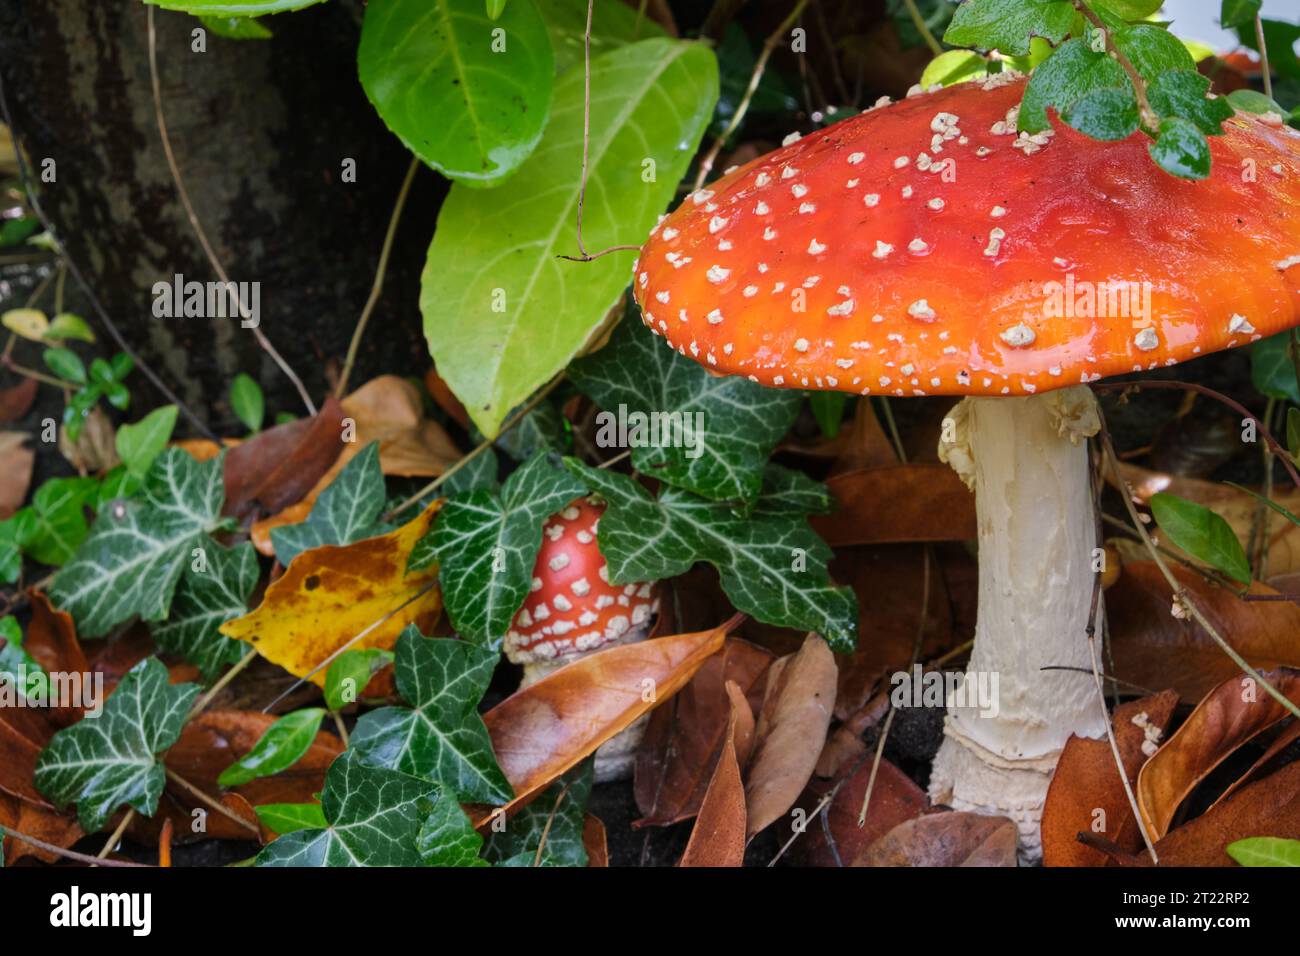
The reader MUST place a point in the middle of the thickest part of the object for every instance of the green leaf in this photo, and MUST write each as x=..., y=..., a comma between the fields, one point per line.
x=495, y=8
x=557, y=816
x=57, y=519
x=1235, y=13
x=12, y=535
x=17, y=668
x=1105, y=114
x=247, y=402
x=1265, y=851
x=828, y=409
x=1271, y=369
x=1181, y=149
x=104, y=762
x=347, y=511
x=236, y=28
x=446, y=836
x=133, y=557
x=66, y=325
x=1253, y=101
x=65, y=364
x=232, y=8
x=501, y=312
x=437, y=75
x=1293, y=431
x=772, y=565
x=351, y=671
x=1280, y=38
x=1068, y=75
x=542, y=429
x=204, y=600
x=612, y=25
x=953, y=66
x=1007, y=25
x=479, y=473
x=139, y=444
x=374, y=818
x=441, y=736
x=282, y=818
x=1130, y=9
x=1152, y=49
x=1201, y=533
x=485, y=543
x=1183, y=93
x=283, y=745
x=725, y=427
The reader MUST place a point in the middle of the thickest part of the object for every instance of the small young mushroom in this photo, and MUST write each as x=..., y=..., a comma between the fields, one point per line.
x=927, y=248
x=573, y=610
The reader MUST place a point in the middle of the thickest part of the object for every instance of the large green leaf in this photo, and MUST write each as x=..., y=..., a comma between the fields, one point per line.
x=501, y=312
x=134, y=555
x=486, y=542
x=1007, y=25
x=441, y=736
x=232, y=8
x=206, y=599
x=374, y=815
x=1200, y=532
x=347, y=511
x=612, y=25
x=467, y=94
x=772, y=565
x=103, y=762
x=739, y=421
x=556, y=816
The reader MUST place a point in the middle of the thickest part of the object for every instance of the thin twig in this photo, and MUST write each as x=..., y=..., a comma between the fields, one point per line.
x=760, y=65
x=1149, y=117
x=546, y=830
x=66, y=854
x=922, y=27
x=212, y=802
x=1266, y=73
x=116, y=836
x=220, y=685
x=184, y=195
x=377, y=286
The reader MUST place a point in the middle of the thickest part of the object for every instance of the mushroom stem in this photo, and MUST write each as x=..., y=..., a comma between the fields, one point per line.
x=1027, y=461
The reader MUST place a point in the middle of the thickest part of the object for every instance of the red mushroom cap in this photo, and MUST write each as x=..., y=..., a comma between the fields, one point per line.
x=573, y=608
x=934, y=250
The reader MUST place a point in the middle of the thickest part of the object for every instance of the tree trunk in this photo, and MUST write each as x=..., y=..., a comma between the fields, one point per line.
x=261, y=130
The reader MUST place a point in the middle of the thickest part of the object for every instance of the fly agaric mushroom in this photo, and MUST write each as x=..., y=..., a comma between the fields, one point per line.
x=927, y=248
x=573, y=610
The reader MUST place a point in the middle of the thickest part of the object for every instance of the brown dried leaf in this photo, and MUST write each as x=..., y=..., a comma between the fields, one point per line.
x=913, y=502
x=1268, y=807
x=894, y=799
x=16, y=463
x=594, y=842
x=42, y=823
x=277, y=467
x=16, y=400
x=945, y=839
x=718, y=837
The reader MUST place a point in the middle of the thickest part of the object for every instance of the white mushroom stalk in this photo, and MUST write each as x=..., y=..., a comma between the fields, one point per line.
x=1027, y=461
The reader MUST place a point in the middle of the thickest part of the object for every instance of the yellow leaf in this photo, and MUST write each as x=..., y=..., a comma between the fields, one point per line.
x=331, y=594
x=29, y=323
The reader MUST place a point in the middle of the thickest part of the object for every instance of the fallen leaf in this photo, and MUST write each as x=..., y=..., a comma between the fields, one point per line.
x=945, y=839
x=42, y=823
x=594, y=842
x=685, y=736
x=16, y=400
x=548, y=727
x=791, y=731
x=1152, y=648
x=860, y=443
x=332, y=594
x=1233, y=713
x=894, y=799
x=52, y=642
x=1086, y=784
x=1271, y=806
x=95, y=449
x=389, y=410
x=718, y=837
x=444, y=398
x=912, y=502
x=16, y=463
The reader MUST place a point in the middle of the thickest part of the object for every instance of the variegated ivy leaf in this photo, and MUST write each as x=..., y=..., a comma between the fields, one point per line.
x=374, y=815
x=446, y=837
x=137, y=549
x=559, y=813
x=441, y=736
x=214, y=588
x=105, y=761
x=485, y=543
x=772, y=565
x=708, y=434
x=347, y=511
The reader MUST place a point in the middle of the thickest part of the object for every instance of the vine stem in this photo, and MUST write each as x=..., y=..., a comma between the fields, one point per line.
x=755, y=77
x=116, y=836
x=1149, y=118
x=1265, y=72
x=377, y=286
x=67, y=854
x=197, y=226
x=919, y=22
x=212, y=802
x=37, y=376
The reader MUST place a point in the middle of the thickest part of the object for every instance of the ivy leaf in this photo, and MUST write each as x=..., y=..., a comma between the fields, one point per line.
x=374, y=818
x=441, y=736
x=447, y=837
x=282, y=746
x=1007, y=25
x=729, y=423
x=772, y=565
x=1271, y=370
x=1105, y=114
x=1203, y=534
x=204, y=600
x=471, y=109
x=17, y=668
x=479, y=473
x=101, y=763
x=542, y=429
x=486, y=542
x=502, y=313
x=351, y=671
x=1065, y=77
x=139, y=444
x=558, y=812
x=285, y=818
x=1265, y=851
x=11, y=544
x=55, y=523
x=1181, y=149
x=347, y=511
x=133, y=557
x=1183, y=93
